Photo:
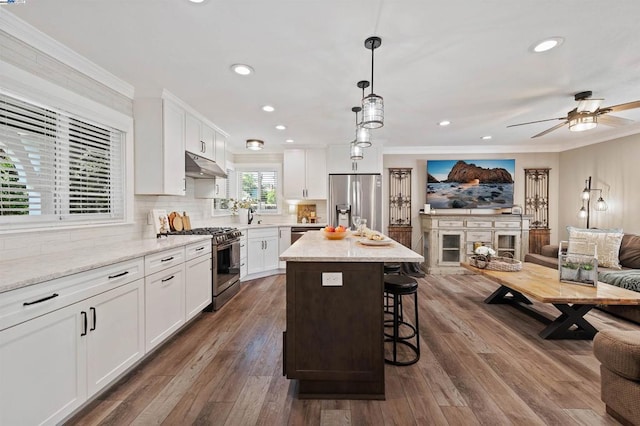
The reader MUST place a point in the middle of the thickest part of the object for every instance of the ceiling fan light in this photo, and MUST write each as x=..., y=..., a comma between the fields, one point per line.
x=356, y=152
x=580, y=123
x=372, y=112
x=255, y=144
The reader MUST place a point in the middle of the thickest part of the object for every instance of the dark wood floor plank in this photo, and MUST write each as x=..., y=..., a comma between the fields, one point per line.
x=479, y=364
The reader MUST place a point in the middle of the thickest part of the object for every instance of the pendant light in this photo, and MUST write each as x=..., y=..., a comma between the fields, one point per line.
x=363, y=135
x=372, y=105
x=356, y=151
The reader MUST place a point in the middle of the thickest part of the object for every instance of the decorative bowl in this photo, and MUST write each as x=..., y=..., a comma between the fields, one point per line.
x=335, y=235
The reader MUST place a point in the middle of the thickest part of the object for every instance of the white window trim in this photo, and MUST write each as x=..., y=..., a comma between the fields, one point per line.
x=21, y=84
x=262, y=167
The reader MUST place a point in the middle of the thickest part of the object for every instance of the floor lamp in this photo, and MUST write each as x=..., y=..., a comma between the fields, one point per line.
x=600, y=206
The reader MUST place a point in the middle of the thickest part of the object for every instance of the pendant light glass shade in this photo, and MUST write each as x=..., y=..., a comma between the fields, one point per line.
x=356, y=152
x=372, y=105
x=601, y=205
x=363, y=137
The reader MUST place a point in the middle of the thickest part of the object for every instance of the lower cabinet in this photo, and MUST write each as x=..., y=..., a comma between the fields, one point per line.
x=262, y=250
x=164, y=303
x=197, y=285
x=51, y=364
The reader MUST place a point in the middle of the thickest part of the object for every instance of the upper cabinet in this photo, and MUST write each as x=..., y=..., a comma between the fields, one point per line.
x=159, y=146
x=165, y=128
x=199, y=138
x=305, y=174
x=340, y=160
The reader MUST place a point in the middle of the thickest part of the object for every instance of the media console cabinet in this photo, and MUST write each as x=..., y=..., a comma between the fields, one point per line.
x=449, y=239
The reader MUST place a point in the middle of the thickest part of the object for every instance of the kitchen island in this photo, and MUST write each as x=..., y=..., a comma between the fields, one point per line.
x=333, y=344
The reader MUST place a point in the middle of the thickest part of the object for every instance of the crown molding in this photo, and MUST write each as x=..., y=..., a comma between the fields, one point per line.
x=16, y=27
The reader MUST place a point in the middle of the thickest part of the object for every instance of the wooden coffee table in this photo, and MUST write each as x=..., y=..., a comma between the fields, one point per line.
x=572, y=300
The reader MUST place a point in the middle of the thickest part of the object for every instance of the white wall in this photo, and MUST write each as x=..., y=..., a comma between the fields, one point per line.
x=614, y=166
x=419, y=180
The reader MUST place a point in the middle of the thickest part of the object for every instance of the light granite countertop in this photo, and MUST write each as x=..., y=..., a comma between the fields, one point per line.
x=314, y=247
x=20, y=273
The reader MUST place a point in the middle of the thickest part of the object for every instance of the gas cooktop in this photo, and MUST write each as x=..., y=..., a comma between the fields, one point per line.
x=220, y=234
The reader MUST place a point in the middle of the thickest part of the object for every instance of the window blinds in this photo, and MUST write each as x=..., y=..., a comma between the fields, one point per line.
x=57, y=167
x=261, y=186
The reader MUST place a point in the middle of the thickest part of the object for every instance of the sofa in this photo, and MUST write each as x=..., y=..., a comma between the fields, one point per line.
x=618, y=259
x=619, y=354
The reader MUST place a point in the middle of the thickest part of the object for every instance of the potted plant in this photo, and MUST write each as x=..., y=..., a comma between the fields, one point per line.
x=569, y=271
x=588, y=273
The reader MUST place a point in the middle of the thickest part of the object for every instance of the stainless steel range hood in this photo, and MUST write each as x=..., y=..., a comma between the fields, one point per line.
x=201, y=168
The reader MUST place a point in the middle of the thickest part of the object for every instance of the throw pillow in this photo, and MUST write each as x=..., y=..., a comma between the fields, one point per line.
x=630, y=251
x=607, y=242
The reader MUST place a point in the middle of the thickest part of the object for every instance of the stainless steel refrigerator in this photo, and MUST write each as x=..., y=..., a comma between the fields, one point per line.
x=355, y=195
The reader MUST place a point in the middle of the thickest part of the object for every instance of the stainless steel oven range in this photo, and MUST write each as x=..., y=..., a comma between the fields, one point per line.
x=225, y=261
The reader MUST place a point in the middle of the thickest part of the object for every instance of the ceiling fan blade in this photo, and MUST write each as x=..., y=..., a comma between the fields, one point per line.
x=622, y=107
x=613, y=121
x=590, y=105
x=556, y=127
x=539, y=121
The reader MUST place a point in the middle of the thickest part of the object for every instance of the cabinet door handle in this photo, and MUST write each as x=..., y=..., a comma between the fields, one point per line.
x=84, y=322
x=121, y=274
x=167, y=259
x=44, y=299
x=242, y=264
x=200, y=248
x=265, y=244
x=168, y=279
x=95, y=318
x=203, y=147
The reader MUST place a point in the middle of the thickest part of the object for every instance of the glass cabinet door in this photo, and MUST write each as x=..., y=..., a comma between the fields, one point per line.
x=507, y=244
x=450, y=247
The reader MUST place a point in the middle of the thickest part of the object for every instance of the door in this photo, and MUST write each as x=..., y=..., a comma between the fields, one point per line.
x=271, y=253
x=284, y=242
x=294, y=174
x=115, y=340
x=316, y=174
x=43, y=368
x=198, y=285
x=164, y=304
x=173, y=139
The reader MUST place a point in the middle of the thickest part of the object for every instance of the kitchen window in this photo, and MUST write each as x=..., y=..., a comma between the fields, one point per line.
x=260, y=185
x=56, y=167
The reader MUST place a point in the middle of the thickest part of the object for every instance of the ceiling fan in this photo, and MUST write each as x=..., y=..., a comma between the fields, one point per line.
x=587, y=115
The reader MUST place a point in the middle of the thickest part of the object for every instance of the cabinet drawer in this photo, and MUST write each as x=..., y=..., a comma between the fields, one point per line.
x=198, y=249
x=507, y=225
x=29, y=302
x=450, y=223
x=482, y=236
x=263, y=233
x=163, y=260
x=478, y=224
x=243, y=248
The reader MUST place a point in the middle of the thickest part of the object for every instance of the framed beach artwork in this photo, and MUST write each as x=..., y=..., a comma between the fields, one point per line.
x=470, y=184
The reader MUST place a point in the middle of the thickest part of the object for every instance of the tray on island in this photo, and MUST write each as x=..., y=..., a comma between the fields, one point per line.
x=495, y=263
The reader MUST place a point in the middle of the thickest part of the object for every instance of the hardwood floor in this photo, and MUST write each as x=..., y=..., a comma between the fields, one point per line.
x=480, y=364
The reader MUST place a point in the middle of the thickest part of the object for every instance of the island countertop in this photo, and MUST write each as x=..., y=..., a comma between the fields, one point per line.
x=314, y=247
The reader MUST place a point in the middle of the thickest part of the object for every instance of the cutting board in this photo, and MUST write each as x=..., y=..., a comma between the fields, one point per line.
x=186, y=221
x=177, y=222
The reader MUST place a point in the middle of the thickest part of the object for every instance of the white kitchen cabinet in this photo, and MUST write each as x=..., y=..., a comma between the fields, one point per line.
x=221, y=150
x=115, y=338
x=262, y=250
x=160, y=146
x=284, y=242
x=199, y=138
x=42, y=369
x=198, y=291
x=243, y=255
x=339, y=160
x=51, y=364
x=305, y=174
x=164, y=304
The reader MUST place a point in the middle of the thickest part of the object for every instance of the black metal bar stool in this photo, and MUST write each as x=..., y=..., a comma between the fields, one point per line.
x=398, y=286
x=391, y=268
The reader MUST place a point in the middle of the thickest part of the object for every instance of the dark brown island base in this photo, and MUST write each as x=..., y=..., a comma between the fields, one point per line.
x=333, y=343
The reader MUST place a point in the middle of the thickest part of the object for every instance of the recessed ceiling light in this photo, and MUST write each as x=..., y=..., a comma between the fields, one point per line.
x=196, y=1
x=281, y=127
x=242, y=69
x=444, y=123
x=289, y=141
x=268, y=108
x=486, y=138
x=548, y=44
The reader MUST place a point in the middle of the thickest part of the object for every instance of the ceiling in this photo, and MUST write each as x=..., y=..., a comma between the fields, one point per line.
x=469, y=62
